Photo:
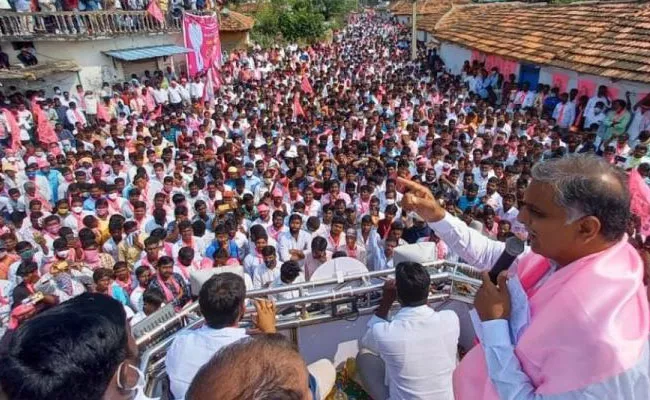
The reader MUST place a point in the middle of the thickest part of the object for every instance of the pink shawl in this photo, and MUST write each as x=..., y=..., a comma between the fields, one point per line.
x=589, y=322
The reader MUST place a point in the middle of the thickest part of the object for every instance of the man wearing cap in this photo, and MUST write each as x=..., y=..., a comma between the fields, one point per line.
x=353, y=248
x=264, y=218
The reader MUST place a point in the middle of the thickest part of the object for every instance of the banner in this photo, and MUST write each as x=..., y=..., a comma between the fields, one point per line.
x=560, y=81
x=586, y=87
x=201, y=35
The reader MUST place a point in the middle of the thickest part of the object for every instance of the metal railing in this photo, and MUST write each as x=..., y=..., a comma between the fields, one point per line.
x=66, y=25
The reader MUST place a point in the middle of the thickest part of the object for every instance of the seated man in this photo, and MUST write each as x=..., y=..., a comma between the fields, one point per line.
x=221, y=301
x=263, y=367
x=414, y=355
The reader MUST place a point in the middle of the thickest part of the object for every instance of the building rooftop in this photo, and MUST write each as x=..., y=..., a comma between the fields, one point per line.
x=232, y=21
x=610, y=39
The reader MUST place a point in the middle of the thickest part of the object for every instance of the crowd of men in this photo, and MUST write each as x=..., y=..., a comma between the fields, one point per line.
x=294, y=160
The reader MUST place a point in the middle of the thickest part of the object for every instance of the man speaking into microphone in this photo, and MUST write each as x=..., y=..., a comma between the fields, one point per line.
x=570, y=320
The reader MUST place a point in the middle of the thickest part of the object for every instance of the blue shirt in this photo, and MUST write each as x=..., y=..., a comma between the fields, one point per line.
x=233, y=250
x=464, y=203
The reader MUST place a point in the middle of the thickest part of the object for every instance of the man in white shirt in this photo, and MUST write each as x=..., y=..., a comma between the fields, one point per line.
x=221, y=301
x=602, y=96
x=160, y=95
x=175, y=98
x=564, y=112
x=196, y=89
x=267, y=272
x=293, y=244
x=414, y=355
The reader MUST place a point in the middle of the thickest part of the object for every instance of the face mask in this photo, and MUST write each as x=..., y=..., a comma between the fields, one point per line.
x=39, y=154
x=3, y=254
x=249, y=173
x=597, y=110
x=27, y=254
x=138, y=388
x=63, y=254
x=77, y=209
x=112, y=196
x=31, y=175
x=390, y=201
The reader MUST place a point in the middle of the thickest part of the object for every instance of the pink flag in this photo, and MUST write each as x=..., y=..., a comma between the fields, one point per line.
x=14, y=129
x=297, y=108
x=46, y=133
x=306, y=86
x=102, y=113
x=154, y=10
x=640, y=200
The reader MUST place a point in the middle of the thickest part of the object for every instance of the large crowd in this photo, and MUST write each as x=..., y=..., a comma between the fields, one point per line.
x=293, y=160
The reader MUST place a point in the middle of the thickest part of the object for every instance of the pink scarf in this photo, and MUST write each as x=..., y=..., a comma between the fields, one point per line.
x=169, y=296
x=14, y=129
x=561, y=349
x=46, y=132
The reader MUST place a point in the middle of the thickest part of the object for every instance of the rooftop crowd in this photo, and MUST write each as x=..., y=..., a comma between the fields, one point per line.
x=292, y=161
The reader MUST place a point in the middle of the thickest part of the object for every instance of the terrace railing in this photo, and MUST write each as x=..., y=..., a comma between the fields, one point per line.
x=67, y=25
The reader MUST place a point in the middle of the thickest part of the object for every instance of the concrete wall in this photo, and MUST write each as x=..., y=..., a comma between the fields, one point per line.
x=97, y=67
x=635, y=88
x=234, y=40
x=454, y=56
x=404, y=19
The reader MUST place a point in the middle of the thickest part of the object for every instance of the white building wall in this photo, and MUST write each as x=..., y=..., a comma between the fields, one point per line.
x=404, y=19
x=635, y=88
x=454, y=56
x=95, y=66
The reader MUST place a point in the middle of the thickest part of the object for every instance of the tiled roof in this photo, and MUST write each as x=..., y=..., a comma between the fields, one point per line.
x=610, y=39
x=424, y=7
x=235, y=22
x=536, y=33
x=247, y=8
x=621, y=52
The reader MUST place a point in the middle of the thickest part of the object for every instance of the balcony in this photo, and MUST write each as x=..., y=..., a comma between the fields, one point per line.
x=68, y=25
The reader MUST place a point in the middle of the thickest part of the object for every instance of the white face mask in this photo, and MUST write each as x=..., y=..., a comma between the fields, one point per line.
x=249, y=173
x=63, y=253
x=138, y=388
x=77, y=209
x=112, y=196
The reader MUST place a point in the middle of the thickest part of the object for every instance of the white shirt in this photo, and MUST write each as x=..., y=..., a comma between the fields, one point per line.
x=174, y=94
x=196, y=89
x=288, y=242
x=191, y=350
x=419, y=349
x=262, y=275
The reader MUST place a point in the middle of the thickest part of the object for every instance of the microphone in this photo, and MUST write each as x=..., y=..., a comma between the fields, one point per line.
x=514, y=247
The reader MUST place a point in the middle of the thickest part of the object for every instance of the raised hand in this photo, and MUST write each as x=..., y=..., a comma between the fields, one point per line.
x=420, y=200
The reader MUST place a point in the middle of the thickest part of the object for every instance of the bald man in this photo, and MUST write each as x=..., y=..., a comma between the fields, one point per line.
x=570, y=319
x=259, y=367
